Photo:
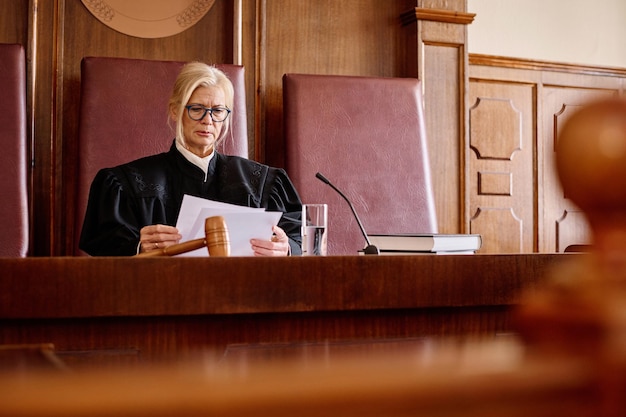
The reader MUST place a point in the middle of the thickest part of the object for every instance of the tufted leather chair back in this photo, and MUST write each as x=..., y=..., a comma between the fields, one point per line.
x=14, y=213
x=367, y=136
x=124, y=116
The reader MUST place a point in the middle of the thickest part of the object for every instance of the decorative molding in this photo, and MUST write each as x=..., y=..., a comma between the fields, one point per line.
x=571, y=228
x=154, y=19
x=194, y=12
x=496, y=144
x=495, y=183
x=521, y=63
x=437, y=15
x=504, y=222
x=100, y=9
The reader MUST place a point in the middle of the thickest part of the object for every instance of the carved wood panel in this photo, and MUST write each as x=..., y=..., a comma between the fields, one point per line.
x=564, y=223
x=501, y=168
x=516, y=108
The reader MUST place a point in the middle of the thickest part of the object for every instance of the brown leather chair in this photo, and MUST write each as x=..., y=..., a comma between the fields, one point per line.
x=14, y=221
x=123, y=116
x=367, y=136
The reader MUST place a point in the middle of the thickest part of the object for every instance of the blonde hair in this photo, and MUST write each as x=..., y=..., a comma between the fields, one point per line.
x=192, y=76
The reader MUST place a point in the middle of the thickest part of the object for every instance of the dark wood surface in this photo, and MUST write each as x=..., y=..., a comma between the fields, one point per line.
x=147, y=309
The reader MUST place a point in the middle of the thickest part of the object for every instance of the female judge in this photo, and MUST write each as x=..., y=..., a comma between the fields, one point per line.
x=133, y=207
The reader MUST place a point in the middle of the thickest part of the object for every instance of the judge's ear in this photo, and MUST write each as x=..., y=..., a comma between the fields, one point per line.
x=173, y=114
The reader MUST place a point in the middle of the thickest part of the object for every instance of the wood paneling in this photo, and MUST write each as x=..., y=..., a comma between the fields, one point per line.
x=563, y=223
x=501, y=169
x=442, y=66
x=445, y=128
x=14, y=22
x=516, y=109
x=42, y=90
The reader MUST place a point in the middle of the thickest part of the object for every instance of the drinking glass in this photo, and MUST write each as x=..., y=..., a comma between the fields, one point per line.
x=314, y=229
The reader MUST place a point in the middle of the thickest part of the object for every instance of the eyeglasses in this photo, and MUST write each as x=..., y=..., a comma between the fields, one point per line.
x=197, y=112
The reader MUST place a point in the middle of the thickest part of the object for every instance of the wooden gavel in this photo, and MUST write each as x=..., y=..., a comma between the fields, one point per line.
x=216, y=241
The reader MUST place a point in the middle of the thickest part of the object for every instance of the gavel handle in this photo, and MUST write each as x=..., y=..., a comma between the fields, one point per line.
x=177, y=249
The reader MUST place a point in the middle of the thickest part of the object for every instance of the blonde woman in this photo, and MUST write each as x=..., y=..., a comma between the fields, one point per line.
x=133, y=207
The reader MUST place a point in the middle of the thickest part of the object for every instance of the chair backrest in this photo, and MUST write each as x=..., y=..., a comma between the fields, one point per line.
x=367, y=136
x=14, y=218
x=123, y=116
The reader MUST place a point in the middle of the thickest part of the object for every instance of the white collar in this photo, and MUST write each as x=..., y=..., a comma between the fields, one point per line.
x=202, y=163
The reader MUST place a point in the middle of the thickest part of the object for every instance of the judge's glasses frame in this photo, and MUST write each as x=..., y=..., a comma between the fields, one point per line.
x=197, y=112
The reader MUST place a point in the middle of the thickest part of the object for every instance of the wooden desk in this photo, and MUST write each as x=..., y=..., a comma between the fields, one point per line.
x=111, y=310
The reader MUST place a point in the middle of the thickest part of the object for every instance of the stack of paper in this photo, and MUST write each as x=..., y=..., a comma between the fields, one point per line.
x=243, y=223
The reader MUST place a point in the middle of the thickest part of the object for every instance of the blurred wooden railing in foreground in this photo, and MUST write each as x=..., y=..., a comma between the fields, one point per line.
x=476, y=380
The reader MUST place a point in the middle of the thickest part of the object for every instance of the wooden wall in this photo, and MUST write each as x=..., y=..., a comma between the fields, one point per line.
x=396, y=38
x=515, y=110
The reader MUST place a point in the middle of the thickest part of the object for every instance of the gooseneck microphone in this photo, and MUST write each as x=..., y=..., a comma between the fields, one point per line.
x=369, y=249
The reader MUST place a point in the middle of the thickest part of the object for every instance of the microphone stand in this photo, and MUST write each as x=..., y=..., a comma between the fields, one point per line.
x=369, y=249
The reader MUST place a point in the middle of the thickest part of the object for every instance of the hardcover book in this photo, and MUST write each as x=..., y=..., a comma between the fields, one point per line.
x=427, y=242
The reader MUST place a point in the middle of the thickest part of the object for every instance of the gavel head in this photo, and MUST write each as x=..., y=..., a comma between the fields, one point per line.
x=217, y=237
x=591, y=162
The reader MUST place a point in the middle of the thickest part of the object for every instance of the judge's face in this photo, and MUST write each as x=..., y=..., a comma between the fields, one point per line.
x=200, y=135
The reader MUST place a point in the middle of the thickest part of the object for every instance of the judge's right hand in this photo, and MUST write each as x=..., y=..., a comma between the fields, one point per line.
x=158, y=236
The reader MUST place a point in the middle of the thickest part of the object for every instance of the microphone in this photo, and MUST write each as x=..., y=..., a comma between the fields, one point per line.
x=369, y=249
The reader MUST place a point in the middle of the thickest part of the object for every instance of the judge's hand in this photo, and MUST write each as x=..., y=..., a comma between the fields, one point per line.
x=277, y=246
x=158, y=236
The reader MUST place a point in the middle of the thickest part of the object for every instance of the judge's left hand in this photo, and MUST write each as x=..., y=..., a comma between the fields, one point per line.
x=277, y=246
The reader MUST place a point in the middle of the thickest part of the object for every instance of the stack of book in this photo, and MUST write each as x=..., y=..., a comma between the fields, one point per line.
x=427, y=243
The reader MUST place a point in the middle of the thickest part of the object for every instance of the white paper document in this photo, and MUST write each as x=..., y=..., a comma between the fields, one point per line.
x=243, y=223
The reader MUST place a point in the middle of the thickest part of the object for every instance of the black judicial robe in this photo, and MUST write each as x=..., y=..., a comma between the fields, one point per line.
x=150, y=190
